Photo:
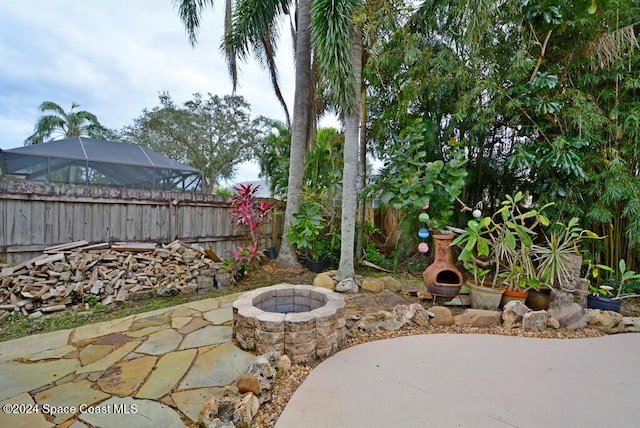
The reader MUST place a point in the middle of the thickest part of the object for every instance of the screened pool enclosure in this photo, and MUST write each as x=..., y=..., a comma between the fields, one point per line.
x=87, y=161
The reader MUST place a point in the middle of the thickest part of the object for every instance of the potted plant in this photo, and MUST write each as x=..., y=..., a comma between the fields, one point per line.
x=603, y=296
x=558, y=259
x=305, y=234
x=475, y=245
x=502, y=243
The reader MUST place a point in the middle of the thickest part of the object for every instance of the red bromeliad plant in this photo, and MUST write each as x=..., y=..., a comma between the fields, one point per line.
x=249, y=214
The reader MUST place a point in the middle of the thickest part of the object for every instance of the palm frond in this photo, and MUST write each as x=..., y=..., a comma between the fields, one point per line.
x=614, y=45
x=252, y=20
x=333, y=32
x=190, y=12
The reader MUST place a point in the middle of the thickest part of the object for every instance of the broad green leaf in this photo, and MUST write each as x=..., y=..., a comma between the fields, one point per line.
x=510, y=239
x=483, y=247
x=524, y=236
x=544, y=220
x=471, y=243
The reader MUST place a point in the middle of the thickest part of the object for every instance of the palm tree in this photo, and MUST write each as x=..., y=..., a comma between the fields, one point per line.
x=252, y=25
x=301, y=104
x=338, y=46
x=61, y=124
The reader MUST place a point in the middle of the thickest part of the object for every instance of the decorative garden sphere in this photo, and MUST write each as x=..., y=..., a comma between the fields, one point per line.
x=423, y=247
x=477, y=213
x=423, y=232
x=424, y=217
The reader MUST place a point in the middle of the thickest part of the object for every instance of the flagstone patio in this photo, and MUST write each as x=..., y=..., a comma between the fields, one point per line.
x=154, y=369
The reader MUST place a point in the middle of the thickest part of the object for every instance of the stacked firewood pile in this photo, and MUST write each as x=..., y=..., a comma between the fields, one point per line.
x=79, y=275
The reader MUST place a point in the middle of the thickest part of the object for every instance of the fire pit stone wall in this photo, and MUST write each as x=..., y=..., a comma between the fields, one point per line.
x=306, y=323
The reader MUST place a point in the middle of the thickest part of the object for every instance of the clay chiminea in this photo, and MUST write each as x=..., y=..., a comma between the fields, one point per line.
x=441, y=277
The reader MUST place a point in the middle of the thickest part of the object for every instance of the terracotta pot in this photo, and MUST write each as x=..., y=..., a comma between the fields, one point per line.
x=538, y=300
x=510, y=295
x=485, y=297
x=441, y=278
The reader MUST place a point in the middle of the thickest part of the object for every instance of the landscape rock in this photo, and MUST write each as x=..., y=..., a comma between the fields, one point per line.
x=373, y=285
x=602, y=319
x=442, y=316
x=389, y=299
x=553, y=323
x=570, y=316
x=347, y=285
x=425, y=295
x=391, y=284
x=512, y=313
x=285, y=363
x=380, y=320
x=229, y=411
x=535, y=321
x=323, y=280
x=558, y=299
x=480, y=318
x=411, y=315
x=167, y=291
x=248, y=383
x=630, y=324
x=266, y=368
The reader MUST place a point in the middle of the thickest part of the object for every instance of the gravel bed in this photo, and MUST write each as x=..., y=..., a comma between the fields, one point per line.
x=289, y=382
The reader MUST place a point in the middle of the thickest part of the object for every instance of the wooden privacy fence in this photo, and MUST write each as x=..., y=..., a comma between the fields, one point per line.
x=35, y=215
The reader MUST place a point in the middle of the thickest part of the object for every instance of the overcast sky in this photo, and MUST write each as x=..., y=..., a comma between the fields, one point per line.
x=113, y=57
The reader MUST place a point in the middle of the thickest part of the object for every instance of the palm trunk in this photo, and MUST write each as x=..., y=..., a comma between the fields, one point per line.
x=362, y=173
x=350, y=171
x=287, y=255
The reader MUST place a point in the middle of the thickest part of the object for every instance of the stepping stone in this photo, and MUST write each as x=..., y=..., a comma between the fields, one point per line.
x=161, y=342
x=163, y=312
x=112, y=339
x=217, y=367
x=207, y=336
x=70, y=394
x=110, y=359
x=92, y=331
x=31, y=345
x=126, y=376
x=22, y=420
x=193, y=325
x=149, y=321
x=169, y=370
x=179, y=322
x=131, y=412
x=227, y=301
x=52, y=353
x=190, y=402
x=183, y=311
x=219, y=316
x=203, y=305
x=92, y=353
x=16, y=378
x=147, y=330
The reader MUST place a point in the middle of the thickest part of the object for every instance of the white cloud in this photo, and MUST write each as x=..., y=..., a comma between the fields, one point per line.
x=113, y=58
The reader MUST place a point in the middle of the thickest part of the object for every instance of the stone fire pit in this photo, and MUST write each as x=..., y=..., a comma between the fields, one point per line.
x=304, y=322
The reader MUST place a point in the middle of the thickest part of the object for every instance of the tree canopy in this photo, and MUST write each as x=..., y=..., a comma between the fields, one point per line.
x=543, y=96
x=213, y=134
